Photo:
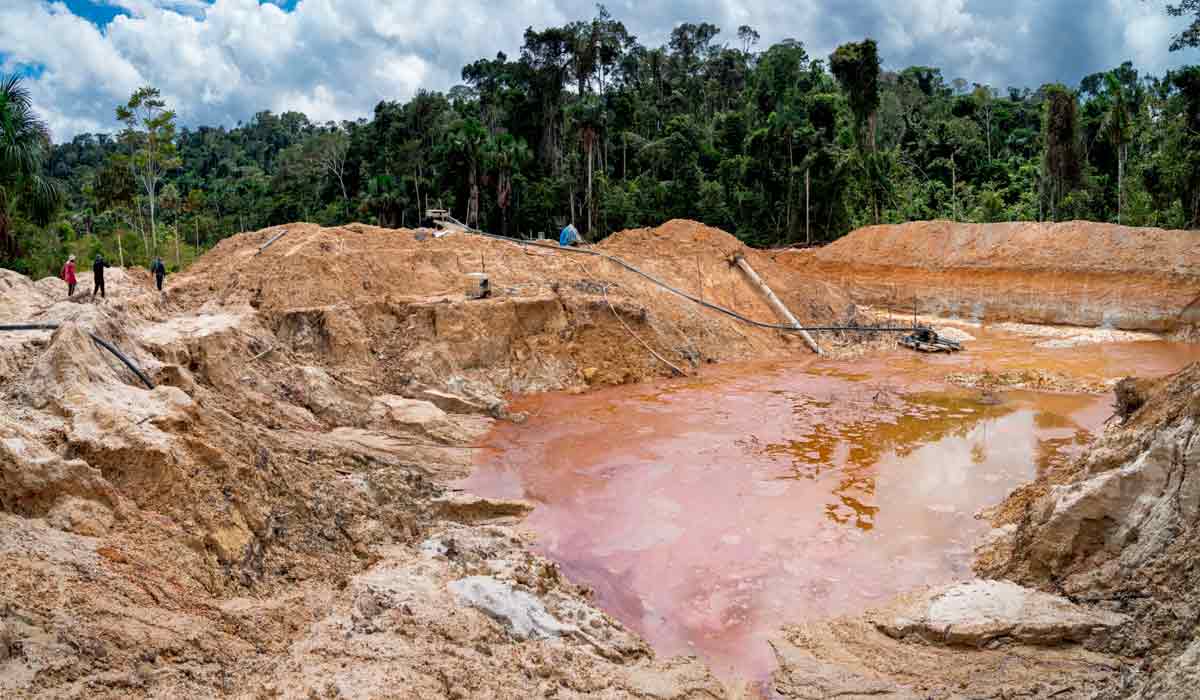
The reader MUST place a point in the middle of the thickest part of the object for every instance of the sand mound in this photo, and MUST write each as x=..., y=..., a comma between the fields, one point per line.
x=1074, y=273
x=1072, y=246
x=368, y=295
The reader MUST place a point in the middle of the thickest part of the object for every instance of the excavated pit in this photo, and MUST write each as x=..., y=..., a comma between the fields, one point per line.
x=706, y=513
x=276, y=518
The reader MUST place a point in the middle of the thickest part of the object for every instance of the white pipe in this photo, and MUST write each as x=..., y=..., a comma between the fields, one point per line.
x=780, y=309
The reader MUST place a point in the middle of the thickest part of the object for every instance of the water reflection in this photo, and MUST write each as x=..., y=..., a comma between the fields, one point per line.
x=706, y=512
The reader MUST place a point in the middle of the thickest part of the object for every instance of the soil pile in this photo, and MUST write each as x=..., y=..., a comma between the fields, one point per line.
x=378, y=298
x=1076, y=273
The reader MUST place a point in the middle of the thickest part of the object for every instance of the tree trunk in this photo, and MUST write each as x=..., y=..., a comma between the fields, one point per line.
x=953, y=189
x=153, y=230
x=807, y=230
x=790, y=197
x=590, y=199
x=420, y=213
x=120, y=250
x=1120, y=179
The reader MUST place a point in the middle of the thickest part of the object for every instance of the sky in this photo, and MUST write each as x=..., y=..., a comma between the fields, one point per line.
x=219, y=62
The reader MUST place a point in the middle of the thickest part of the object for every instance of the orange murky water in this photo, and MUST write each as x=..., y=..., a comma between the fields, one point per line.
x=707, y=512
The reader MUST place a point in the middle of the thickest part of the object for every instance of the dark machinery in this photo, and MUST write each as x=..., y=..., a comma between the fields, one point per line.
x=927, y=340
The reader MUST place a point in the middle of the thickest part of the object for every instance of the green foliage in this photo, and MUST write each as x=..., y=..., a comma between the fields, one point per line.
x=1190, y=36
x=1063, y=167
x=588, y=126
x=25, y=190
x=856, y=67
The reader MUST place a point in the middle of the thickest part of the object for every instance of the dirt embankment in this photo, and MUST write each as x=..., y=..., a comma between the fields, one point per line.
x=1119, y=530
x=382, y=299
x=1074, y=273
x=273, y=520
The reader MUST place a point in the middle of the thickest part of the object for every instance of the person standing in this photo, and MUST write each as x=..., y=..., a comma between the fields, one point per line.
x=160, y=271
x=68, y=276
x=98, y=275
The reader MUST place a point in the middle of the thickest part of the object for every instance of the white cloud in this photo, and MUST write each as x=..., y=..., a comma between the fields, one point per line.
x=220, y=61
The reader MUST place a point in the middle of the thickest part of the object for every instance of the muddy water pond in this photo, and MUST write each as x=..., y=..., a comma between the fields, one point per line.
x=707, y=512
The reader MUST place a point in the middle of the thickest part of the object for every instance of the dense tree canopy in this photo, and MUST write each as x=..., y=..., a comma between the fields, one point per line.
x=589, y=126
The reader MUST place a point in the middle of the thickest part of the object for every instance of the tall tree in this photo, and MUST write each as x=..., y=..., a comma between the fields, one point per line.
x=1187, y=82
x=1116, y=127
x=466, y=141
x=1062, y=166
x=150, y=132
x=329, y=152
x=856, y=66
x=508, y=155
x=24, y=142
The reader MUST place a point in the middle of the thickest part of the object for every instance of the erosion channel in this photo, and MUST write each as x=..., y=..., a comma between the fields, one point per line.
x=705, y=513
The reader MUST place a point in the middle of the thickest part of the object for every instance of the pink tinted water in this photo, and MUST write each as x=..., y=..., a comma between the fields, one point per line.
x=707, y=512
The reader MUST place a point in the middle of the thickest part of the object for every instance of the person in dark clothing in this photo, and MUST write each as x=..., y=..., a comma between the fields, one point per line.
x=160, y=271
x=98, y=274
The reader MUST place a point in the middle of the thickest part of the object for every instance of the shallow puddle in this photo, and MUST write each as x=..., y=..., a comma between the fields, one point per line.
x=707, y=512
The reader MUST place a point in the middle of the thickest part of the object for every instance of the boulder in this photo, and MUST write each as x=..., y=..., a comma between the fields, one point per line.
x=398, y=413
x=976, y=613
x=522, y=613
x=328, y=399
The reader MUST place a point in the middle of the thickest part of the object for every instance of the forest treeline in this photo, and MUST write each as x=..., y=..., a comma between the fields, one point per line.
x=591, y=127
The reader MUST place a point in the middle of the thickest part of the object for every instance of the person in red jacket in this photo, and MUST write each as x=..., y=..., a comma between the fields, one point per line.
x=68, y=275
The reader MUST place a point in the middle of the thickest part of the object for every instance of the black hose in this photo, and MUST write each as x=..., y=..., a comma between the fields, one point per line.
x=97, y=339
x=121, y=356
x=664, y=285
x=30, y=327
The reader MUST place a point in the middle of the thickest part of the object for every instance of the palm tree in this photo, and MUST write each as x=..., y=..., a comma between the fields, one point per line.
x=467, y=140
x=24, y=141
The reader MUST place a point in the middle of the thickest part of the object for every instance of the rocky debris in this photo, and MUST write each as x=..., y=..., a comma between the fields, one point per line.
x=1029, y=379
x=72, y=360
x=802, y=677
x=523, y=614
x=978, y=613
x=1120, y=518
x=81, y=516
x=7, y=642
x=36, y=482
x=467, y=508
x=328, y=399
x=1179, y=679
x=1122, y=532
x=453, y=403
